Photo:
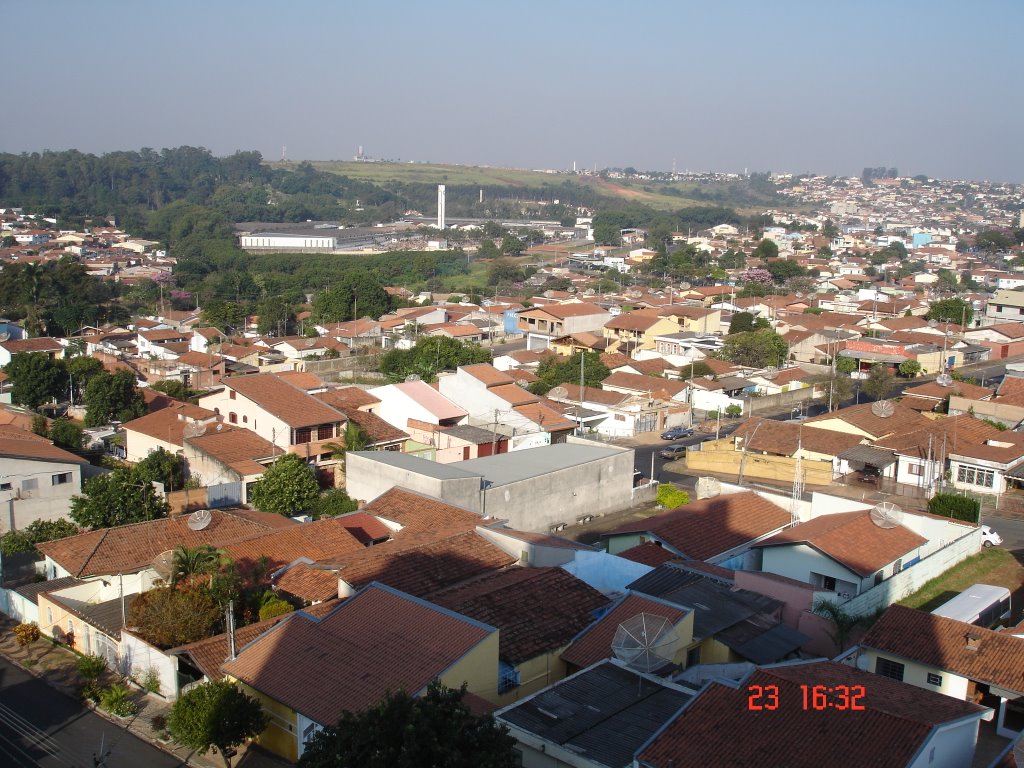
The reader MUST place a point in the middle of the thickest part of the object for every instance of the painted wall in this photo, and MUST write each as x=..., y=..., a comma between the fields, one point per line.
x=281, y=734
x=249, y=415
x=36, y=491
x=139, y=658
x=798, y=561
x=138, y=445
x=367, y=479
x=917, y=674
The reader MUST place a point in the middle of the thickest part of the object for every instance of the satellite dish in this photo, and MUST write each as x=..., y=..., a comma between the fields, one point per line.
x=645, y=642
x=885, y=514
x=883, y=409
x=163, y=564
x=200, y=519
x=522, y=383
x=413, y=377
x=194, y=429
x=943, y=379
x=5, y=336
x=558, y=392
x=708, y=487
x=770, y=372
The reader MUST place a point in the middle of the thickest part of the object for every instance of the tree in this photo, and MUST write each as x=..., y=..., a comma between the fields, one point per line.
x=40, y=425
x=66, y=434
x=846, y=365
x=117, y=498
x=879, y=381
x=488, y=250
x=216, y=715
x=174, y=389
x=755, y=349
x=837, y=388
x=405, y=732
x=82, y=370
x=287, y=487
x=909, y=368
x=333, y=503
x=951, y=310
x=842, y=622
x=188, y=562
x=430, y=355
x=113, y=397
x=782, y=270
x=162, y=466
x=556, y=370
x=35, y=378
x=358, y=293
x=168, y=617
x=741, y=322
x=765, y=250
x=511, y=245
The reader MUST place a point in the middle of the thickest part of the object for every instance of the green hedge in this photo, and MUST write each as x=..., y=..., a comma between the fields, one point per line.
x=955, y=506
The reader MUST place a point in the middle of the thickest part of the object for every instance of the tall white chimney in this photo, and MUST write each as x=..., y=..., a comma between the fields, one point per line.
x=440, y=206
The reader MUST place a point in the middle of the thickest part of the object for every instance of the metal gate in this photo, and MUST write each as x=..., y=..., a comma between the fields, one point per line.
x=223, y=495
x=645, y=422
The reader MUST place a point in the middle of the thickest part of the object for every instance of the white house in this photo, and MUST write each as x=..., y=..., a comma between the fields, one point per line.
x=37, y=479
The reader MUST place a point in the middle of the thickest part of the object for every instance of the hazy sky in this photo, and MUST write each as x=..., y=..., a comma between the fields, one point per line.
x=927, y=86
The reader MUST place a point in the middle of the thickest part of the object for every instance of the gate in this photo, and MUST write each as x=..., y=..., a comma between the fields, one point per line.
x=223, y=495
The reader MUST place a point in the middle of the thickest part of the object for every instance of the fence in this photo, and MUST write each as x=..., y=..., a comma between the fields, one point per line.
x=911, y=579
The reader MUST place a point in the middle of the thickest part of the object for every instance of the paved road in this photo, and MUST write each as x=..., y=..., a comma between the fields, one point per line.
x=42, y=727
x=1011, y=529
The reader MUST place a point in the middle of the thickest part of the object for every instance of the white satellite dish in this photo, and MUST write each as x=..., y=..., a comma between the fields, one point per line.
x=522, y=383
x=943, y=379
x=883, y=409
x=163, y=564
x=770, y=372
x=558, y=392
x=885, y=514
x=413, y=377
x=5, y=336
x=645, y=642
x=708, y=487
x=200, y=519
x=194, y=429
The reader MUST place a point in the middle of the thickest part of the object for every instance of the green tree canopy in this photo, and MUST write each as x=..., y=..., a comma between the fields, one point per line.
x=66, y=434
x=34, y=533
x=333, y=503
x=216, y=715
x=162, y=466
x=111, y=397
x=359, y=293
x=174, y=389
x=755, y=349
x=879, y=381
x=35, y=378
x=168, y=617
x=430, y=355
x=556, y=370
x=118, y=498
x=782, y=270
x=766, y=249
x=287, y=487
x=436, y=729
x=951, y=310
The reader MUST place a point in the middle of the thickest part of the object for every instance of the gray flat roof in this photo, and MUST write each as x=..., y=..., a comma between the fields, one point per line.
x=420, y=466
x=521, y=465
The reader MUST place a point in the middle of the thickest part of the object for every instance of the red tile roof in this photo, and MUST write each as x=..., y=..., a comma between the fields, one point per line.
x=782, y=438
x=941, y=643
x=377, y=641
x=36, y=344
x=851, y=538
x=719, y=728
x=596, y=642
x=712, y=526
x=235, y=447
x=861, y=416
x=287, y=402
x=537, y=610
x=649, y=553
x=16, y=443
x=316, y=540
x=168, y=424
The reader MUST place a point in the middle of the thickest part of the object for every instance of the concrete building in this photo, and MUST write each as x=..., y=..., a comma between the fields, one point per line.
x=37, y=479
x=534, y=490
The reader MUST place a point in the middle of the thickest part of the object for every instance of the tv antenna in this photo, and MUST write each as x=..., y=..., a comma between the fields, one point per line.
x=200, y=519
x=194, y=429
x=645, y=642
x=885, y=514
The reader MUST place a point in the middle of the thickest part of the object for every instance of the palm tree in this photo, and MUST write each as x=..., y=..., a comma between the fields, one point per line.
x=193, y=561
x=843, y=623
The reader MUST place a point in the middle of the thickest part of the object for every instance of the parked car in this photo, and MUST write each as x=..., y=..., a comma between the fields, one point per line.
x=676, y=433
x=673, y=452
x=990, y=538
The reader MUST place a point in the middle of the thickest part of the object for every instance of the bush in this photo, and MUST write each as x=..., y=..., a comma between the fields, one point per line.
x=117, y=701
x=670, y=497
x=151, y=680
x=26, y=634
x=734, y=411
x=91, y=691
x=91, y=667
x=274, y=607
x=956, y=507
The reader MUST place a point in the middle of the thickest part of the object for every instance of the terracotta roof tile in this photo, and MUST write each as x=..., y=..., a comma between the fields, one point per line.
x=16, y=443
x=236, y=447
x=279, y=398
x=712, y=526
x=903, y=420
x=782, y=438
x=316, y=540
x=718, y=728
x=649, y=553
x=852, y=539
x=168, y=424
x=537, y=610
x=35, y=344
x=595, y=643
x=375, y=642
x=348, y=397
x=637, y=382
x=562, y=311
x=935, y=641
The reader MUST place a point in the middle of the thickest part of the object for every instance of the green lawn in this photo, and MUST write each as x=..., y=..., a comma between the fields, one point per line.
x=990, y=566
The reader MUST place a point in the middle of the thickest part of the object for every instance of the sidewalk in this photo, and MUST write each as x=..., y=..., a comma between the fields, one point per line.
x=57, y=666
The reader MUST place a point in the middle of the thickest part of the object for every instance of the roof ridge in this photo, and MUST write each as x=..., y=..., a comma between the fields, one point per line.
x=92, y=552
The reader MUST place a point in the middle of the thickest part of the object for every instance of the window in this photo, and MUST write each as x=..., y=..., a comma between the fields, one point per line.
x=889, y=668
x=897, y=566
x=829, y=583
x=303, y=435
x=878, y=578
x=693, y=657
x=233, y=417
x=934, y=679
x=915, y=469
x=984, y=478
x=325, y=432
x=245, y=419
x=61, y=479
x=508, y=677
x=231, y=394
x=5, y=486
x=29, y=485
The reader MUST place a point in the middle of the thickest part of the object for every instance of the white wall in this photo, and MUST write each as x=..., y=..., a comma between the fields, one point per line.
x=49, y=500
x=139, y=657
x=249, y=415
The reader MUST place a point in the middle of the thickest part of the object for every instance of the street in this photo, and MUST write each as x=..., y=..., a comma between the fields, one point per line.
x=42, y=727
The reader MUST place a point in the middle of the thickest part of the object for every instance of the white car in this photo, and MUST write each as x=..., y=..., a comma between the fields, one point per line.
x=989, y=537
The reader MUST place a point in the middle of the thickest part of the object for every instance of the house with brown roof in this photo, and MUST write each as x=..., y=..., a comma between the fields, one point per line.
x=42, y=345
x=37, y=479
x=719, y=530
x=862, y=420
x=932, y=396
x=377, y=641
x=227, y=459
x=631, y=331
x=542, y=324
x=962, y=661
x=771, y=717
x=618, y=414
x=846, y=553
x=537, y=611
x=164, y=429
x=417, y=408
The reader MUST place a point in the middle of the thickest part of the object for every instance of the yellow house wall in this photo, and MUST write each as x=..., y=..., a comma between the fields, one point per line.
x=917, y=674
x=53, y=623
x=721, y=456
x=534, y=674
x=478, y=669
x=713, y=652
x=281, y=735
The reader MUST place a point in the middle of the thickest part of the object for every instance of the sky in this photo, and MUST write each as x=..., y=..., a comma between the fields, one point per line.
x=926, y=86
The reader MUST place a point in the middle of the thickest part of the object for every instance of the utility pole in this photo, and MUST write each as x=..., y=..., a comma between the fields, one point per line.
x=494, y=432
